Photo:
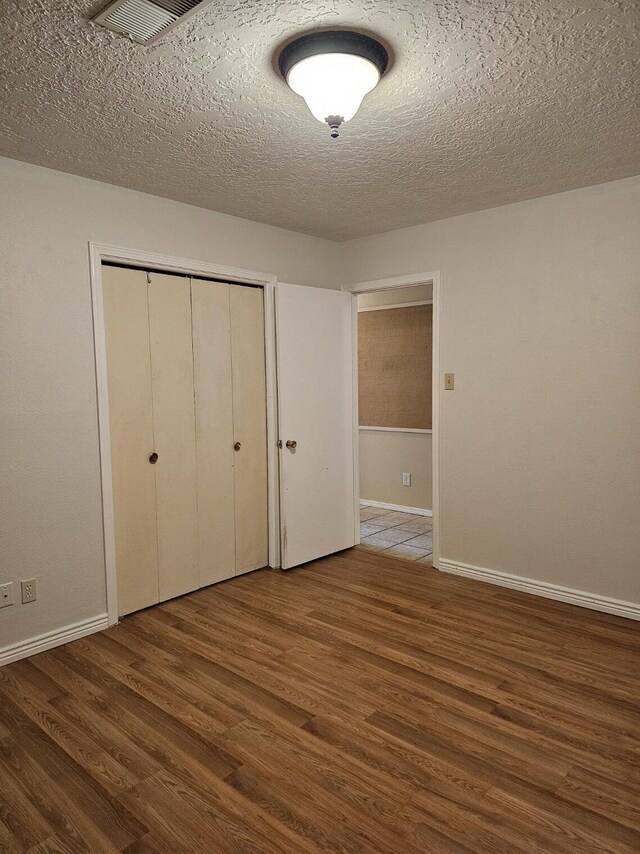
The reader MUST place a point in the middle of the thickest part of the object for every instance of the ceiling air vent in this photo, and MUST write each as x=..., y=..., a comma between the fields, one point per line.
x=146, y=20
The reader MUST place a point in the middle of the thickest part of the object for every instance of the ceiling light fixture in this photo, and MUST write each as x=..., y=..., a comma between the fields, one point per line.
x=333, y=71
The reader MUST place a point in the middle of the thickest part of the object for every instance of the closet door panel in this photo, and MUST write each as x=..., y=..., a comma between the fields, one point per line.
x=214, y=429
x=126, y=323
x=174, y=429
x=250, y=427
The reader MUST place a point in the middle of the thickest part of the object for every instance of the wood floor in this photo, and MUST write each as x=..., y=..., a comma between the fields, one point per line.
x=362, y=703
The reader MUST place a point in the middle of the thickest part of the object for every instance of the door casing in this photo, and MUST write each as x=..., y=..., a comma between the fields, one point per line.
x=98, y=253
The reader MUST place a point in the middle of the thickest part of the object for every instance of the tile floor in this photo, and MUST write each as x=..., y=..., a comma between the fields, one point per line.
x=399, y=534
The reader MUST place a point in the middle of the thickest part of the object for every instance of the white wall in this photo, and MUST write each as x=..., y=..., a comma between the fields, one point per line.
x=540, y=442
x=50, y=503
x=384, y=456
x=540, y=447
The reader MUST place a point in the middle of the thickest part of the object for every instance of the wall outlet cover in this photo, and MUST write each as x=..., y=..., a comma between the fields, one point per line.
x=29, y=590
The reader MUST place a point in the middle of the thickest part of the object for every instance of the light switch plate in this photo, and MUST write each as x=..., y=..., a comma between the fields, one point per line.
x=406, y=479
x=448, y=382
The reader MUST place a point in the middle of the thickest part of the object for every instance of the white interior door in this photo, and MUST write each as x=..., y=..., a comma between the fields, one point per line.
x=316, y=411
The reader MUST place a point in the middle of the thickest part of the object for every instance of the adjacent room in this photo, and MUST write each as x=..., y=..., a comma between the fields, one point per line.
x=319, y=406
x=395, y=377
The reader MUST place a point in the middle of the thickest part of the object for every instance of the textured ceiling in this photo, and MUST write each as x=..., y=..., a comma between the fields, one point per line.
x=487, y=102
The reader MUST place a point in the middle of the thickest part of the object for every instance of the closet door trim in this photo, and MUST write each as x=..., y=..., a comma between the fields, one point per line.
x=100, y=253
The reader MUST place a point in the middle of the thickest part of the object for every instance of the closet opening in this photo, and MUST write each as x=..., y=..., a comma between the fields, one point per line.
x=183, y=381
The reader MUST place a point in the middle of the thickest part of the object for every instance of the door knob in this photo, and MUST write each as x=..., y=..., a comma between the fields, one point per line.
x=153, y=458
x=237, y=446
x=292, y=444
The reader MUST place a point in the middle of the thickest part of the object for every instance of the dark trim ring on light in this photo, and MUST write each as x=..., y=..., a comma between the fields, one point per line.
x=333, y=41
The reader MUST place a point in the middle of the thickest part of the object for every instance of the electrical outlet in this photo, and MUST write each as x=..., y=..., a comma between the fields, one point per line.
x=448, y=382
x=6, y=594
x=406, y=479
x=29, y=591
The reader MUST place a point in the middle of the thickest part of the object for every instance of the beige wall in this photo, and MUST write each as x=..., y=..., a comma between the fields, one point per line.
x=384, y=456
x=50, y=504
x=540, y=444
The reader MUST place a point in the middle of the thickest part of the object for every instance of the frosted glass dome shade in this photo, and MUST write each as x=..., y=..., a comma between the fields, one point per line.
x=333, y=84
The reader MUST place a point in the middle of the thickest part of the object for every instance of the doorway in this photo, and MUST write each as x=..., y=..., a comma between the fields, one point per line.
x=198, y=272
x=396, y=434
x=187, y=405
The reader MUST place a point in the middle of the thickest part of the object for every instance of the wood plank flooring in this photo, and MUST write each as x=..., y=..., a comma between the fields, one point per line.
x=359, y=704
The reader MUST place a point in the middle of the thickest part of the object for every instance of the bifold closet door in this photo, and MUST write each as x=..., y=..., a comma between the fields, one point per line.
x=174, y=433
x=187, y=402
x=126, y=322
x=249, y=427
x=214, y=429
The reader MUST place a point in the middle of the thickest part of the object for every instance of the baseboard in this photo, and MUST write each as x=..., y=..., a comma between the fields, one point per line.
x=40, y=643
x=631, y=610
x=418, y=511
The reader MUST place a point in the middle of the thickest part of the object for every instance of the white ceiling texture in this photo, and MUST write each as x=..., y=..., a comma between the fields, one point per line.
x=486, y=102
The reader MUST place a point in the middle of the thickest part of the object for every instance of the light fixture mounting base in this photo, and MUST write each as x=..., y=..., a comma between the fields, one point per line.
x=333, y=41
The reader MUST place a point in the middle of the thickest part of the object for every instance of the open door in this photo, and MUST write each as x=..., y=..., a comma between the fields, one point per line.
x=315, y=343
